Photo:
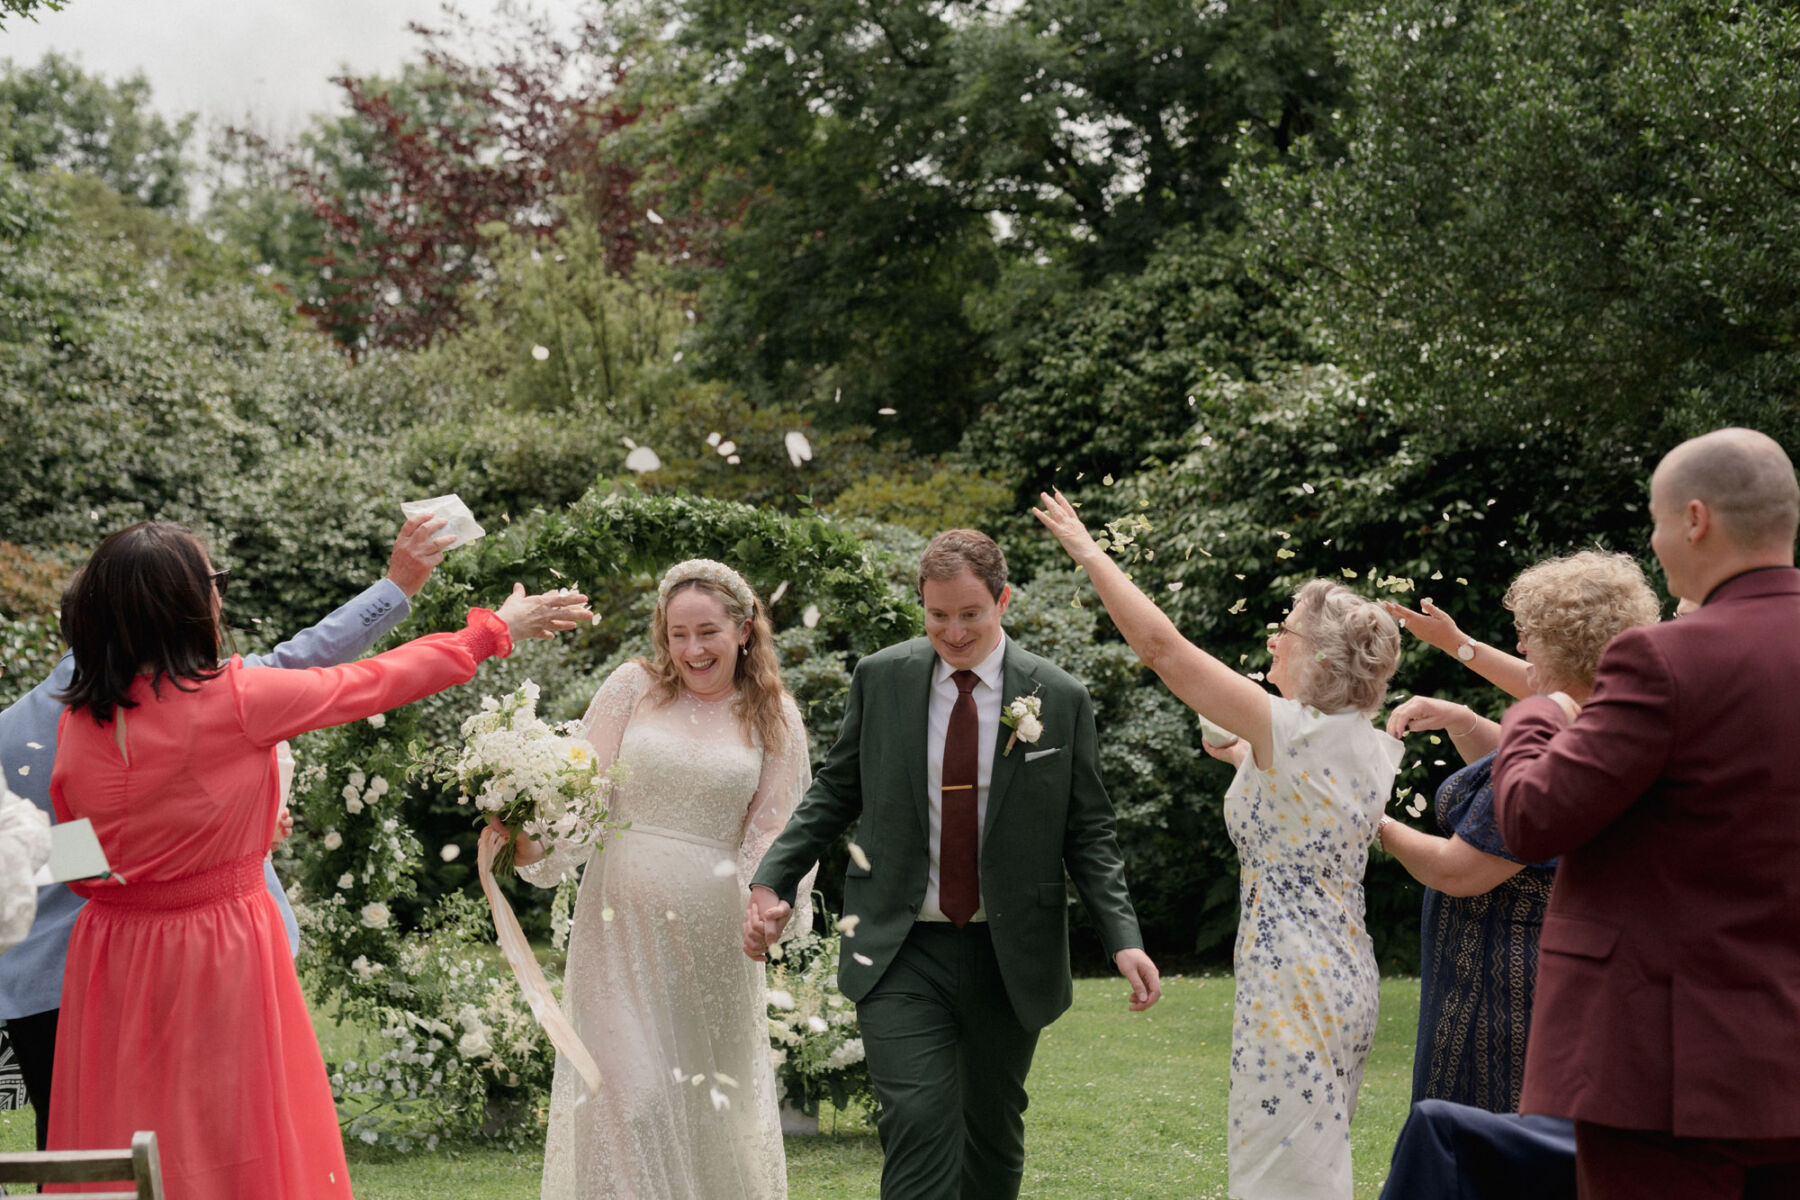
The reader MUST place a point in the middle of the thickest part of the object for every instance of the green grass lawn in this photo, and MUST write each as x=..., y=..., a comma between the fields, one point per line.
x=1122, y=1105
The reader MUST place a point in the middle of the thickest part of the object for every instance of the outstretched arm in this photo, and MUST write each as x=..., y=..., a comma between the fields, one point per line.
x=1433, y=626
x=1450, y=865
x=350, y=630
x=1199, y=680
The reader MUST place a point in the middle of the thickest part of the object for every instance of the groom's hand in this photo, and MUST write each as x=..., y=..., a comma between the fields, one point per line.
x=1146, y=984
x=764, y=918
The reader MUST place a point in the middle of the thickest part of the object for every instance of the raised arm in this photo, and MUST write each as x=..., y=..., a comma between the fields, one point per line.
x=351, y=629
x=1433, y=626
x=1473, y=736
x=1202, y=682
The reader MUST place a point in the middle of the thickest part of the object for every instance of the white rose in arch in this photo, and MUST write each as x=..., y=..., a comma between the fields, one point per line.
x=375, y=915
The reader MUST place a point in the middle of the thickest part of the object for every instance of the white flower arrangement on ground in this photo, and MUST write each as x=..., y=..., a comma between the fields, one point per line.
x=534, y=777
x=813, y=1035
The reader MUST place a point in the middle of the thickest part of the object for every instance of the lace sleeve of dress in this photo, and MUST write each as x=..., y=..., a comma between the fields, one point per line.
x=605, y=722
x=785, y=777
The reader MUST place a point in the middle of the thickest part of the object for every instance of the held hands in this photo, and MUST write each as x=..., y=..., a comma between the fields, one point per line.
x=764, y=918
x=1058, y=516
x=1431, y=624
x=284, y=825
x=1428, y=712
x=543, y=615
x=417, y=552
x=525, y=850
x=1136, y=967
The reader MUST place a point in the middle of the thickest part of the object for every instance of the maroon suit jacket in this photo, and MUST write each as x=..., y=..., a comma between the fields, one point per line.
x=1668, y=993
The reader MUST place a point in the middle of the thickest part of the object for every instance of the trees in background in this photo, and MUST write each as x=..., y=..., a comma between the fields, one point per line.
x=1408, y=296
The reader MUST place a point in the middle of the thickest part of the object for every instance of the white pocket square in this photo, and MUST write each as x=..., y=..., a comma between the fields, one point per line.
x=1034, y=755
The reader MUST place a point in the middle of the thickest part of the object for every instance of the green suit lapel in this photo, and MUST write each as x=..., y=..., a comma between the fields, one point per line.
x=911, y=707
x=1018, y=679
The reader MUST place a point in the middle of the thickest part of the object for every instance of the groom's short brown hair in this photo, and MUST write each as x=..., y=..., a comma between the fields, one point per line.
x=953, y=550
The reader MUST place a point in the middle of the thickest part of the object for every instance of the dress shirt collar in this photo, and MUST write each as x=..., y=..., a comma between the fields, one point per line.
x=988, y=670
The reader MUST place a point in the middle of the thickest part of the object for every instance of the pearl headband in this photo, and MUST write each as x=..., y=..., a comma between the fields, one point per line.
x=711, y=572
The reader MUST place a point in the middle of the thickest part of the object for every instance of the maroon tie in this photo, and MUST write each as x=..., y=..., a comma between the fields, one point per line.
x=959, y=868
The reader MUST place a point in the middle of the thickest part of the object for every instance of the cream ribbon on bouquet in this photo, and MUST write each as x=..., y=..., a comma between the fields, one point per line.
x=525, y=967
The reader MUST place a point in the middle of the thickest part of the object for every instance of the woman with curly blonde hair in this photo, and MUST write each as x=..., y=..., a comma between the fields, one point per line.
x=713, y=758
x=1483, y=908
x=1314, y=776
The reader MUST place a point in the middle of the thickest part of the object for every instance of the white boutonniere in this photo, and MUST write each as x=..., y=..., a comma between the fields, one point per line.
x=1024, y=716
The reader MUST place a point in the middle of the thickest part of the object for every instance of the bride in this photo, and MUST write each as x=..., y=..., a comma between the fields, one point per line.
x=714, y=758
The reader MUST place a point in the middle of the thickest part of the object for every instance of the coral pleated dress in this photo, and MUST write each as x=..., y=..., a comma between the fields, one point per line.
x=181, y=1011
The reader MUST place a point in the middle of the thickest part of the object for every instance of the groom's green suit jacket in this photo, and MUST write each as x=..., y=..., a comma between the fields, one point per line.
x=1047, y=812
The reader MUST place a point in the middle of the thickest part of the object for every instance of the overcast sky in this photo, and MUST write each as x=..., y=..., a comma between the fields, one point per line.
x=271, y=59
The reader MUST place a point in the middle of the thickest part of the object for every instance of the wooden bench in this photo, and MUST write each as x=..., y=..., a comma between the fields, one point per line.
x=140, y=1164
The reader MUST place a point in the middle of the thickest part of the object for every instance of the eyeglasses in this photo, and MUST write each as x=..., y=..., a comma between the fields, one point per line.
x=1283, y=629
x=220, y=578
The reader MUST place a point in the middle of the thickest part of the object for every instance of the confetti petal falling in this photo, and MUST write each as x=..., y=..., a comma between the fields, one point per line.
x=643, y=459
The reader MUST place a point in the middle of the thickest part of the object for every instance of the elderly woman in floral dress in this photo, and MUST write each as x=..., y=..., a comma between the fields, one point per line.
x=1314, y=776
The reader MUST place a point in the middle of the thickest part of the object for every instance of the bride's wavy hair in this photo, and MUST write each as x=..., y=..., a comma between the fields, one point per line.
x=757, y=676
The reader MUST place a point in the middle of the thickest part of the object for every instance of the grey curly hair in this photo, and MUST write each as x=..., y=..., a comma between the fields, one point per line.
x=1352, y=648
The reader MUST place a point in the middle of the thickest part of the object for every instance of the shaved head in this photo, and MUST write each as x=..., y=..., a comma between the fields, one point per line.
x=1744, y=478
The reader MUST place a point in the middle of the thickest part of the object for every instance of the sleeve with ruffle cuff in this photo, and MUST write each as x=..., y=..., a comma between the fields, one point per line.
x=485, y=636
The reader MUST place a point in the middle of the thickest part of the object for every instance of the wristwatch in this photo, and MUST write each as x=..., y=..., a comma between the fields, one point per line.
x=1466, y=651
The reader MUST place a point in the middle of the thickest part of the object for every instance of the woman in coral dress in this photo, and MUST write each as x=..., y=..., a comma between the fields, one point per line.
x=181, y=1012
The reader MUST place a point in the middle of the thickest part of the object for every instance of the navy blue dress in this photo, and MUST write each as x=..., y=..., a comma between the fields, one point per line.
x=1478, y=963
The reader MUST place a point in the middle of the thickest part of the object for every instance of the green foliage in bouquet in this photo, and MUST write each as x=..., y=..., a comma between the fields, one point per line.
x=813, y=1034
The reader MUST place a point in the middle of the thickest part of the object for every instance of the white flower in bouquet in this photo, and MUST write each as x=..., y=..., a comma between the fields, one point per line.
x=537, y=778
x=375, y=915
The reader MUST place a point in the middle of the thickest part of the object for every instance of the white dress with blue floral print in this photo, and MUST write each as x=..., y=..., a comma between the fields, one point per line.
x=1307, y=987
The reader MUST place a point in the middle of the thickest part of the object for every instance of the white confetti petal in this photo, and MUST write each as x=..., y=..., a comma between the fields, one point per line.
x=884, y=412
x=713, y=438
x=726, y=448
x=720, y=1099
x=848, y=923
x=540, y=352
x=725, y=1079
x=606, y=914
x=642, y=459
x=26, y=770
x=781, y=998
x=451, y=852
x=653, y=216
x=799, y=449
x=810, y=617
x=669, y=913
x=858, y=857
x=723, y=868
x=779, y=592
x=863, y=959
x=35, y=745
x=733, y=459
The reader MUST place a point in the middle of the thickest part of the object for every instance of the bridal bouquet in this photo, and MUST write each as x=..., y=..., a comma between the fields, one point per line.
x=536, y=778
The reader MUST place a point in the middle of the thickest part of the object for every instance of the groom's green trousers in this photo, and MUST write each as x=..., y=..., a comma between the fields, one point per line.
x=948, y=1059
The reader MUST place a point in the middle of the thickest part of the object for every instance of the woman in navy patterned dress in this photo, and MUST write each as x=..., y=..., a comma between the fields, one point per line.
x=1484, y=908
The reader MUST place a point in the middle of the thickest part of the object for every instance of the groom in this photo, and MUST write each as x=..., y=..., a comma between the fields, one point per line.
x=960, y=954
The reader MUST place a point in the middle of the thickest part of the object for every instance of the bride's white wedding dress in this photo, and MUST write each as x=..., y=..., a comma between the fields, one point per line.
x=657, y=985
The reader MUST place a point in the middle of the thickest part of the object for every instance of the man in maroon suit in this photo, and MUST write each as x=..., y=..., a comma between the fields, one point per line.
x=1667, y=1022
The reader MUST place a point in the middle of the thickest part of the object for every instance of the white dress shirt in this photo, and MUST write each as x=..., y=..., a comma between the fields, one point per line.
x=990, y=678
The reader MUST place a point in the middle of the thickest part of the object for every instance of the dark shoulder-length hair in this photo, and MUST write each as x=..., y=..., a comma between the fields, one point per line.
x=142, y=602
